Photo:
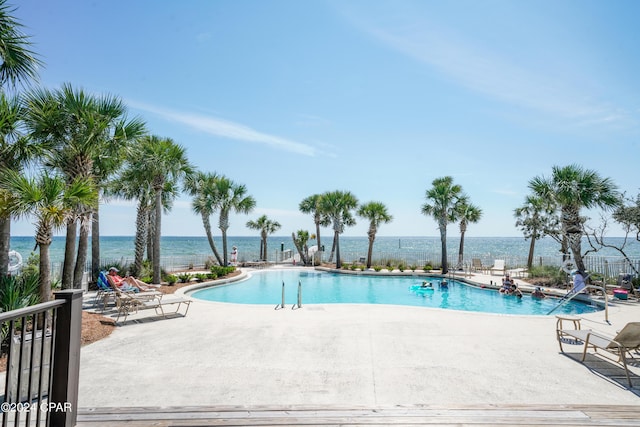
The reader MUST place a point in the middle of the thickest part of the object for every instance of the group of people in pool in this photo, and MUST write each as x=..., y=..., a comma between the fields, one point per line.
x=509, y=286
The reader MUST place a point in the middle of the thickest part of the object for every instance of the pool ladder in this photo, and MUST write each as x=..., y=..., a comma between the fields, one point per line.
x=294, y=306
x=571, y=295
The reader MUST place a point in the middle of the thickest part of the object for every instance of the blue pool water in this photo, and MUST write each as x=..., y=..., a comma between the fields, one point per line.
x=329, y=288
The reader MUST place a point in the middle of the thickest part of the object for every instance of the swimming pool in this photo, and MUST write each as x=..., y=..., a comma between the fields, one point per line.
x=330, y=288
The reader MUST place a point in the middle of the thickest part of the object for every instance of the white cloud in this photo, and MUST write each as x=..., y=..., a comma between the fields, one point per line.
x=203, y=37
x=484, y=70
x=226, y=129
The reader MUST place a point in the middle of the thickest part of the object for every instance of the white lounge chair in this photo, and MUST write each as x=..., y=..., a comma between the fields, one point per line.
x=626, y=340
x=499, y=266
x=130, y=303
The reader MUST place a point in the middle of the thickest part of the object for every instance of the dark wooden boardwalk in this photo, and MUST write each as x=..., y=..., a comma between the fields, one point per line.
x=409, y=415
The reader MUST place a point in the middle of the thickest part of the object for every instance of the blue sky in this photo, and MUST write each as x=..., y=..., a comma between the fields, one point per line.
x=379, y=98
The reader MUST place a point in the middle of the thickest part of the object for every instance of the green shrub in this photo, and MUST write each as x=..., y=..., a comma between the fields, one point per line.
x=212, y=276
x=32, y=266
x=171, y=279
x=377, y=268
x=184, y=277
x=413, y=267
x=555, y=275
x=147, y=279
x=221, y=271
x=402, y=267
x=427, y=267
x=201, y=277
x=19, y=291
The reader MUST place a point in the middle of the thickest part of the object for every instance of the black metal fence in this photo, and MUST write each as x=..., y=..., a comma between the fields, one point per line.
x=42, y=348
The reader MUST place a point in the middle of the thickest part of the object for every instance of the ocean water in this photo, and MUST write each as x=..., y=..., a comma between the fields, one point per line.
x=410, y=249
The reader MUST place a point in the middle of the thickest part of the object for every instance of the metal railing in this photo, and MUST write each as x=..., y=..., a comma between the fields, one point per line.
x=571, y=295
x=608, y=266
x=42, y=344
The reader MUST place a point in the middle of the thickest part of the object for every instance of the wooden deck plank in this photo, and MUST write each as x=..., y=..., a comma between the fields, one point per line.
x=410, y=415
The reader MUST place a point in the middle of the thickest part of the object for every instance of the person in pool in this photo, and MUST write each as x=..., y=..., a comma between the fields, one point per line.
x=426, y=284
x=515, y=291
x=506, y=285
x=537, y=293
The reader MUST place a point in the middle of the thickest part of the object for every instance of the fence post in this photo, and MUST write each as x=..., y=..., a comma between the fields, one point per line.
x=63, y=400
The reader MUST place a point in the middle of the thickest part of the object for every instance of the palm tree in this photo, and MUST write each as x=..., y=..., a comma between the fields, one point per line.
x=312, y=205
x=442, y=199
x=105, y=166
x=231, y=197
x=266, y=227
x=300, y=241
x=338, y=206
x=132, y=184
x=50, y=199
x=572, y=188
x=15, y=152
x=536, y=218
x=19, y=63
x=466, y=213
x=377, y=214
x=75, y=129
x=162, y=161
x=202, y=186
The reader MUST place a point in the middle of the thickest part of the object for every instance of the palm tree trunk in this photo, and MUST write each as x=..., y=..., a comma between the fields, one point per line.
x=95, y=243
x=83, y=247
x=43, y=239
x=443, y=242
x=207, y=228
x=69, y=255
x=461, y=250
x=575, y=246
x=5, y=244
x=531, y=247
x=224, y=245
x=156, y=238
x=337, y=242
x=333, y=250
x=319, y=245
x=266, y=254
x=141, y=237
x=45, y=273
x=370, y=251
x=223, y=225
x=150, y=233
x=572, y=227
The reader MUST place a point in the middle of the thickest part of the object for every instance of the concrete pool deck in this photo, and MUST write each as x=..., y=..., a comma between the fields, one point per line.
x=372, y=355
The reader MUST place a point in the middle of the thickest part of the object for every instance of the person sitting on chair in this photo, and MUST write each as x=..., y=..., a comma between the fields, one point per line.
x=127, y=282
